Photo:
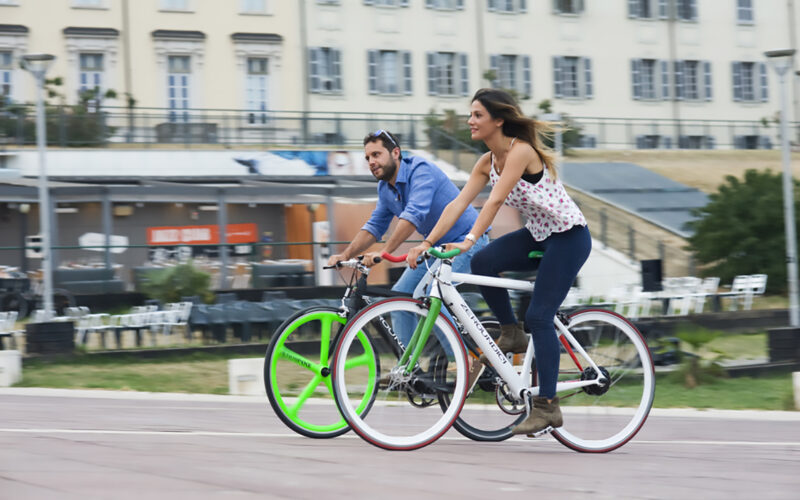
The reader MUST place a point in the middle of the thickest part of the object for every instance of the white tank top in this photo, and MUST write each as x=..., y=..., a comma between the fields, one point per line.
x=545, y=205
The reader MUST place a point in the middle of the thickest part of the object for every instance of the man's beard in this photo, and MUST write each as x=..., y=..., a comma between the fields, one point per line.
x=388, y=170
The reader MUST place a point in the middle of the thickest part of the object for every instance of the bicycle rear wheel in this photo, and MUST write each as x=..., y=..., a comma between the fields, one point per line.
x=489, y=412
x=403, y=411
x=600, y=419
x=297, y=376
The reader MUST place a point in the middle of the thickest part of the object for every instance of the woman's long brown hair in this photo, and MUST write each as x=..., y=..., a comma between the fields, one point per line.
x=500, y=104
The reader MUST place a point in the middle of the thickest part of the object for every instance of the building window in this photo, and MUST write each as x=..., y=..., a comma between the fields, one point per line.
x=568, y=6
x=389, y=72
x=6, y=73
x=512, y=72
x=328, y=2
x=507, y=6
x=748, y=79
x=445, y=4
x=178, y=86
x=174, y=4
x=649, y=9
x=448, y=74
x=325, y=70
x=254, y=6
x=9, y=2
x=572, y=77
x=650, y=79
x=90, y=78
x=256, y=90
x=744, y=12
x=686, y=10
x=693, y=80
x=387, y=3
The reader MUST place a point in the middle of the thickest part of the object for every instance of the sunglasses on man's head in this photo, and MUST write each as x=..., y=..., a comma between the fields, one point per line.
x=385, y=133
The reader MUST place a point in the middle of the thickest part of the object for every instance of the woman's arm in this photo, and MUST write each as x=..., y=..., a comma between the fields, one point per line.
x=477, y=180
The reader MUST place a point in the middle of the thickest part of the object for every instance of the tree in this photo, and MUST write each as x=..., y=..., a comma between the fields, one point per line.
x=741, y=231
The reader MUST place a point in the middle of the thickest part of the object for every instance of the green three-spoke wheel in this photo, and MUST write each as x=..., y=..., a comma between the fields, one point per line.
x=297, y=373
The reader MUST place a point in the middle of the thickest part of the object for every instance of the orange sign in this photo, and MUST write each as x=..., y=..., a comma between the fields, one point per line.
x=201, y=235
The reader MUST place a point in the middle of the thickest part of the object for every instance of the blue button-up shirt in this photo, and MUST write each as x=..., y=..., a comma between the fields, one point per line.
x=420, y=193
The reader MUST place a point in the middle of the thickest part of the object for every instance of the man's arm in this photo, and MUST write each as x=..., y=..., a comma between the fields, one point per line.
x=363, y=240
x=401, y=233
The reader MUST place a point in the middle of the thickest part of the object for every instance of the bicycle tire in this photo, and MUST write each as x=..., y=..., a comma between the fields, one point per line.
x=482, y=418
x=282, y=370
x=403, y=412
x=599, y=423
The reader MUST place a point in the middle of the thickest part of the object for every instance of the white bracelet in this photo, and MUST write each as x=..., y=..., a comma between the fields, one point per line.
x=470, y=237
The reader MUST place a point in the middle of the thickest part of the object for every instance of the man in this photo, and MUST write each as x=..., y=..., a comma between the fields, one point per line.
x=415, y=191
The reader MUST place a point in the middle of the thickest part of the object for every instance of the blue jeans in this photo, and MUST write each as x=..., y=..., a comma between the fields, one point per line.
x=564, y=255
x=403, y=323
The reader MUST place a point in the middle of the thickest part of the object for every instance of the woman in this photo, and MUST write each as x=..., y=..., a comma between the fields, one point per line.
x=523, y=175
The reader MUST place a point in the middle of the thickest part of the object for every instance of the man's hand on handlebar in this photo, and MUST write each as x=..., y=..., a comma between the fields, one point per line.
x=371, y=258
x=336, y=258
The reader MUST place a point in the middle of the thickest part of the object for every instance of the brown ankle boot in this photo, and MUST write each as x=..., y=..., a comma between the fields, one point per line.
x=543, y=415
x=512, y=339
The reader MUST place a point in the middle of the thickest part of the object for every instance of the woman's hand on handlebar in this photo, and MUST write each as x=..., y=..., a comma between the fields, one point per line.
x=464, y=246
x=414, y=253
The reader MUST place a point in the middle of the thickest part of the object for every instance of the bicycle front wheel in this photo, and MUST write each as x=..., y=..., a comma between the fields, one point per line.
x=297, y=375
x=598, y=419
x=403, y=411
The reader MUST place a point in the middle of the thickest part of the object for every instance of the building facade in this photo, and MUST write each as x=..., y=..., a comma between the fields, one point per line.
x=678, y=60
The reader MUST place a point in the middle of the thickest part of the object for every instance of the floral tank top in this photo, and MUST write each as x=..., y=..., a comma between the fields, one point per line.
x=545, y=205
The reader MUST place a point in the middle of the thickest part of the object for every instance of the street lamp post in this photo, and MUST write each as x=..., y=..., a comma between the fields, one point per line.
x=38, y=64
x=782, y=62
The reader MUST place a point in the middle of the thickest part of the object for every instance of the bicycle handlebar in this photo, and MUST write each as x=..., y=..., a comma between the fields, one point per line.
x=351, y=263
x=394, y=258
x=444, y=255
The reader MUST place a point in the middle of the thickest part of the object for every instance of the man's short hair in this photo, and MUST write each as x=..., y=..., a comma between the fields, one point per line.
x=388, y=140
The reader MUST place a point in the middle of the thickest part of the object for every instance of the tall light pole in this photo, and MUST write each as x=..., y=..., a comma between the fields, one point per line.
x=782, y=61
x=38, y=64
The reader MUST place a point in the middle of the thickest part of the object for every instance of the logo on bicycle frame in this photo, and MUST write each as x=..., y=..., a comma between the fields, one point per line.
x=484, y=333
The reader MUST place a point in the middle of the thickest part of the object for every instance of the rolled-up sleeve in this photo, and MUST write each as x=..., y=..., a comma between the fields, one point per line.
x=379, y=221
x=422, y=186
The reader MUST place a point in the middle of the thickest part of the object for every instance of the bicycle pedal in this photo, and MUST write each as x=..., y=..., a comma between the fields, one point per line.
x=546, y=430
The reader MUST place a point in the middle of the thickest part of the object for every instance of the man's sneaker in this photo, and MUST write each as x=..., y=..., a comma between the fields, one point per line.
x=543, y=415
x=474, y=371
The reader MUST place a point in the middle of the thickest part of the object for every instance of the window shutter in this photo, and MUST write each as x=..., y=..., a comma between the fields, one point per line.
x=432, y=76
x=558, y=84
x=407, y=72
x=581, y=6
x=640, y=142
x=403, y=3
x=460, y=5
x=739, y=142
x=491, y=5
x=372, y=71
x=710, y=142
x=464, y=74
x=429, y=4
x=764, y=83
x=683, y=142
x=663, y=9
x=680, y=89
x=526, y=76
x=587, y=72
x=633, y=8
x=764, y=142
x=737, y=81
x=313, y=70
x=336, y=57
x=556, y=7
x=494, y=65
x=523, y=7
x=369, y=2
x=635, y=78
x=665, y=93
x=694, y=10
x=709, y=86
x=666, y=142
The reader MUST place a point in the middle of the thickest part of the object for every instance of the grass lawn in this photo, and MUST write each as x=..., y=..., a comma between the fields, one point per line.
x=208, y=373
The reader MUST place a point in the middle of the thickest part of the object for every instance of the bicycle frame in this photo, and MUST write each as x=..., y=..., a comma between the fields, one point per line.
x=442, y=288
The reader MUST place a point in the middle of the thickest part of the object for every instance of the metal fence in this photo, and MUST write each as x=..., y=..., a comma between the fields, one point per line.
x=78, y=126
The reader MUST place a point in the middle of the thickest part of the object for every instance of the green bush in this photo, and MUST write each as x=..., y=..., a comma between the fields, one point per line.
x=183, y=280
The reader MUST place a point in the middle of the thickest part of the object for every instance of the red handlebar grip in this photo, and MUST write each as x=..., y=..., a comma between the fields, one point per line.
x=394, y=258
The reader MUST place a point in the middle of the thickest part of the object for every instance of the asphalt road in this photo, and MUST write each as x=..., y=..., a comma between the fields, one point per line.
x=98, y=444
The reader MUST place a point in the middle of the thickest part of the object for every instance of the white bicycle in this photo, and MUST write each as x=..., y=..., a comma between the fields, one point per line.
x=606, y=381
